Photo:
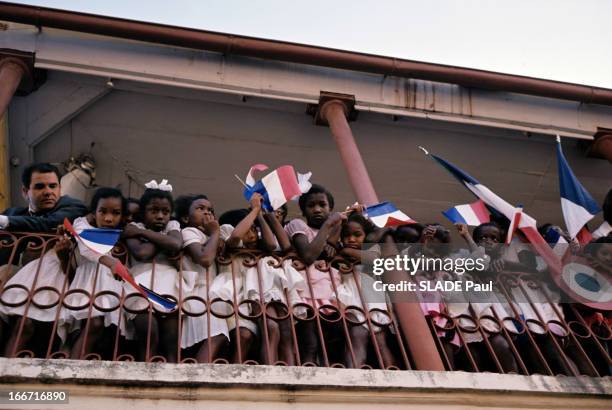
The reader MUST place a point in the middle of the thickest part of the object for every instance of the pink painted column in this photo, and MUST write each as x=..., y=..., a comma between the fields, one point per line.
x=410, y=317
x=602, y=146
x=335, y=113
x=11, y=72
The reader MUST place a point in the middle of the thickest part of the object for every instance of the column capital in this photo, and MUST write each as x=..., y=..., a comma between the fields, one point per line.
x=326, y=99
x=31, y=79
x=601, y=147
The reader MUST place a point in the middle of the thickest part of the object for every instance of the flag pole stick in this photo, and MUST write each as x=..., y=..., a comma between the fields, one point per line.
x=241, y=181
x=424, y=150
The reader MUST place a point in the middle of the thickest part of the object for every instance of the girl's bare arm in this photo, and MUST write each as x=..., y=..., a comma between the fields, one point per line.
x=205, y=254
x=140, y=250
x=310, y=251
x=277, y=229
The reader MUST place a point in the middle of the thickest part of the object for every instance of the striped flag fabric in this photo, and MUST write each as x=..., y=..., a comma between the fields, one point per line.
x=386, y=214
x=577, y=204
x=278, y=187
x=527, y=224
x=95, y=244
x=556, y=241
x=473, y=214
x=100, y=240
x=121, y=270
x=514, y=224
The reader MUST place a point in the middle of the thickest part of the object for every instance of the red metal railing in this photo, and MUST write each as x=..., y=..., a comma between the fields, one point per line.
x=534, y=336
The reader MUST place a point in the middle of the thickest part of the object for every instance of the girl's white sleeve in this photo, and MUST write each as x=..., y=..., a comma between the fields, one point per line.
x=173, y=226
x=193, y=235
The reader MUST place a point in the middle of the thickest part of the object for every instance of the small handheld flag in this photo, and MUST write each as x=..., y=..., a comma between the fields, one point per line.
x=91, y=243
x=385, y=214
x=100, y=240
x=472, y=214
x=278, y=187
x=153, y=297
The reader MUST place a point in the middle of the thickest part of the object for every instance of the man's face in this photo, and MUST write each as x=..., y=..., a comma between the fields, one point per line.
x=43, y=192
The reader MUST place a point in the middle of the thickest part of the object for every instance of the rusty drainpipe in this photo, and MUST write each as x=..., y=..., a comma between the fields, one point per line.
x=333, y=111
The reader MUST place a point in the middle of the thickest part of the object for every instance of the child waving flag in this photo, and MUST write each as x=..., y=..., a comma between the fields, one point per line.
x=526, y=224
x=278, y=187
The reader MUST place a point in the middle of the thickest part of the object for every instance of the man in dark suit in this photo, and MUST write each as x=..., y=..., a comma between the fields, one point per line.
x=45, y=211
x=46, y=208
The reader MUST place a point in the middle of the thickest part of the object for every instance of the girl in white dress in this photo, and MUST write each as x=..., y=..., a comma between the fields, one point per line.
x=93, y=275
x=356, y=288
x=241, y=232
x=276, y=285
x=37, y=311
x=151, y=243
x=201, y=242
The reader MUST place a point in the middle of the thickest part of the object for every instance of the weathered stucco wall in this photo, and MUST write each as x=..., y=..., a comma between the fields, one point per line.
x=106, y=385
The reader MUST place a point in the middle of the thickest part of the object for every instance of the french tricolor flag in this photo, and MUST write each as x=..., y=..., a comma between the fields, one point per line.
x=386, y=214
x=102, y=241
x=278, y=187
x=577, y=204
x=472, y=214
x=526, y=224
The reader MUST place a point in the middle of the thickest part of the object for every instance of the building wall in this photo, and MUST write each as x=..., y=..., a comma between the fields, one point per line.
x=104, y=385
x=200, y=143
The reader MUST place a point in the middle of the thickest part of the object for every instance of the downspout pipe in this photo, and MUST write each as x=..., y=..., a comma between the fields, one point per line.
x=299, y=53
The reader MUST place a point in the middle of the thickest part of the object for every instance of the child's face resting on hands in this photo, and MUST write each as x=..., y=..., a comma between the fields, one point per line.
x=157, y=214
x=489, y=238
x=249, y=240
x=353, y=235
x=317, y=210
x=201, y=212
x=108, y=213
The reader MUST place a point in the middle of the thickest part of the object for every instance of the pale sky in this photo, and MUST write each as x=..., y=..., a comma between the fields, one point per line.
x=560, y=40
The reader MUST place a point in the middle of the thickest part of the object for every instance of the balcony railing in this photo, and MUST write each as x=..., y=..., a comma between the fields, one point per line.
x=533, y=336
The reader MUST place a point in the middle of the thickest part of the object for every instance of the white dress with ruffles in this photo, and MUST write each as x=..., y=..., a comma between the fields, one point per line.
x=376, y=301
x=93, y=278
x=227, y=286
x=161, y=276
x=195, y=328
x=42, y=272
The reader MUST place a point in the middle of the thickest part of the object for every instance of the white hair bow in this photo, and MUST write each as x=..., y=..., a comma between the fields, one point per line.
x=162, y=186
